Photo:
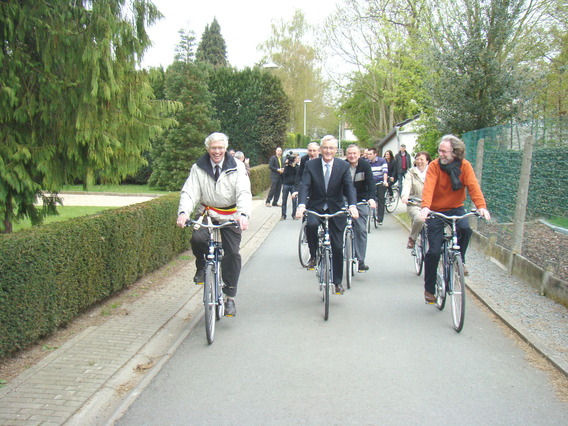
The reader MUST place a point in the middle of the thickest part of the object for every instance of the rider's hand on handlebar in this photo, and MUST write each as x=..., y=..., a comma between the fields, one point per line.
x=354, y=212
x=300, y=211
x=372, y=203
x=424, y=212
x=404, y=200
x=484, y=214
x=243, y=222
x=182, y=218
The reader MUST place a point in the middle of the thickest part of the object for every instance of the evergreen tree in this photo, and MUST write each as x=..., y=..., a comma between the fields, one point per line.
x=175, y=151
x=212, y=48
x=72, y=104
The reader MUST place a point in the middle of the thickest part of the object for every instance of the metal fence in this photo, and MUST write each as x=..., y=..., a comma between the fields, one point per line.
x=522, y=171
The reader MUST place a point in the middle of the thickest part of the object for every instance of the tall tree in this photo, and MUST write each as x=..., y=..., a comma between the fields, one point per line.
x=299, y=68
x=72, y=104
x=212, y=48
x=177, y=148
x=252, y=108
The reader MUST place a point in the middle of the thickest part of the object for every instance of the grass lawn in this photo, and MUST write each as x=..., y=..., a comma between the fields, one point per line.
x=558, y=221
x=65, y=213
x=122, y=189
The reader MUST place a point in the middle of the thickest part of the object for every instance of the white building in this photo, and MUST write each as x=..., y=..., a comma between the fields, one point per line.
x=405, y=132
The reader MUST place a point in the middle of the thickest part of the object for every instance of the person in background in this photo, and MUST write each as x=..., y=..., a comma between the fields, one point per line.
x=392, y=177
x=219, y=187
x=276, y=169
x=412, y=194
x=231, y=151
x=239, y=155
x=289, y=184
x=313, y=152
x=380, y=174
x=447, y=178
x=364, y=183
x=403, y=163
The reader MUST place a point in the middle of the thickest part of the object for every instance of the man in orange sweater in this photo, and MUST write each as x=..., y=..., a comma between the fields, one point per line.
x=444, y=191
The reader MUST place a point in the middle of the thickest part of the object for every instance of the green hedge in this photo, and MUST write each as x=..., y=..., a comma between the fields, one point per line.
x=259, y=179
x=51, y=273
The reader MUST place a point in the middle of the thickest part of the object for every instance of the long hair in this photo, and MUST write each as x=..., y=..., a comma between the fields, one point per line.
x=458, y=146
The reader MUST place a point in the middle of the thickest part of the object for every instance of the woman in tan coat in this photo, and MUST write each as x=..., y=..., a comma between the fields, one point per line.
x=412, y=193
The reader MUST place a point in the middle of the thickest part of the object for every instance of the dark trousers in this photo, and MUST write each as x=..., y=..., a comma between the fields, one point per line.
x=274, y=191
x=288, y=189
x=381, y=191
x=231, y=262
x=435, y=235
x=336, y=229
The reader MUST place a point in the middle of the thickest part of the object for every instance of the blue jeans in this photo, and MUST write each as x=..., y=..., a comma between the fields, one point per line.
x=288, y=189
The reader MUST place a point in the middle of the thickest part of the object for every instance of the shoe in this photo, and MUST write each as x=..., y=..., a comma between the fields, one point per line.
x=268, y=204
x=380, y=223
x=283, y=218
x=465, y=271
x=276, y=205
x=339, y=289
x=429, y=297
x=410, y=244
x=311, y=263
x=362, y=267
x=230, y=308
x=199, y=277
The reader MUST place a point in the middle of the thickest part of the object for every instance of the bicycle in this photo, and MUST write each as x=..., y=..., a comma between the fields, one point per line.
x=373, y=215
x=351, y=262
x=450, y=277
x=303, y=248
x=420, y=245
x=213, y=283
x=324, y=257
x=391, y=201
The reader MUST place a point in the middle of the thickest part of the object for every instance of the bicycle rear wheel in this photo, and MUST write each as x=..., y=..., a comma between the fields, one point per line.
x=326, y=264
x=303, y=249
x=457, y=289
x=391, y=202
x=348, y=256
x=441, y=280
x=418, y=254
x=209, y=303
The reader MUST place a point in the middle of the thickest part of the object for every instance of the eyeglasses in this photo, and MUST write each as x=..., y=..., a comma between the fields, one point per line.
x=443, y=151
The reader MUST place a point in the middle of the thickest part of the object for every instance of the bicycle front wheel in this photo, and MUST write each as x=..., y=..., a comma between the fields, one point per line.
x=348, y=256
x=326, y=265
x=209, y=303
x=303, y=249
x=457, y=288
x=392, y=201
x=418, y=255
x=219, y=306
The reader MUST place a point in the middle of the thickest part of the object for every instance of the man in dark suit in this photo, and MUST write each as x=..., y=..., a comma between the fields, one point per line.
x=276, y=169
x=316, y=195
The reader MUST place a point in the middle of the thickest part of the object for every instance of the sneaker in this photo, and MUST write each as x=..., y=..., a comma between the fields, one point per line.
x=410, y=243
x=311, y=263
x=230, y=308
x=380, y=223
x=429, y=297
x=268, y=204
x=362, y=267
x=199, y=277
x=339, y=289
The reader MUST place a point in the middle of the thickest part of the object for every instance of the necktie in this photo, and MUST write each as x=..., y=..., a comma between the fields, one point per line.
x=327, y=173
x=217, y=172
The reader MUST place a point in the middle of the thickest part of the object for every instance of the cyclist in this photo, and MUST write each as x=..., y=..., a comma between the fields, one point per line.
x=380, y=174
x=313, y=153
x=412, y=189
x=325, y=183
x=218, y=185
x=362, y=175
x=444, y=191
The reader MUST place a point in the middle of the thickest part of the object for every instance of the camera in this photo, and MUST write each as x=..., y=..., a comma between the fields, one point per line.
x=290, y=159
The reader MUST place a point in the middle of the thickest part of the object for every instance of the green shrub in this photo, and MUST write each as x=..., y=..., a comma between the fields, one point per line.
x=259, y=179
x=51, y=273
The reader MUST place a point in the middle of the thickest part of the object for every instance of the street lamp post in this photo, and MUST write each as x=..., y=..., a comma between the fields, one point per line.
x=306, y=101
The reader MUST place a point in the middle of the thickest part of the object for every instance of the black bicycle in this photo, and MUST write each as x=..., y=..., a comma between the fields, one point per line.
x=450, y=278
x=324, y=257
x=213, y=285
x=303, y=248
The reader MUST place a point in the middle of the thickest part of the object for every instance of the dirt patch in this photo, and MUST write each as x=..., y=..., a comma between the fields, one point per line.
x=541, y=244
x=117, y=305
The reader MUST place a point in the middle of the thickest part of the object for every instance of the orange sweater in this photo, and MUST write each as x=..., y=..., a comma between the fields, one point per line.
x=438, y=194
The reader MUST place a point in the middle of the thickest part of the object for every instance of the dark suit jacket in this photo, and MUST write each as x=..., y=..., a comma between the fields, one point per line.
x=364, y=181
x=313, y=186
x=274, y=166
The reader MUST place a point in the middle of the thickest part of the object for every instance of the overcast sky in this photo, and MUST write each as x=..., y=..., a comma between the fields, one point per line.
x=244, y=25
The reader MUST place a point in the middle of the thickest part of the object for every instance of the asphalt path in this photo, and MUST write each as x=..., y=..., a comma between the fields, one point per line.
x=383, y=357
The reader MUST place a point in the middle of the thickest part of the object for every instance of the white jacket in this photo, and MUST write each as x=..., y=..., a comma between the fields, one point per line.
x=231, y=189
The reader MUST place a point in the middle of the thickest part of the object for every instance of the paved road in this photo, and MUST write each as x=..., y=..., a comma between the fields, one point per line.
x=378, y=360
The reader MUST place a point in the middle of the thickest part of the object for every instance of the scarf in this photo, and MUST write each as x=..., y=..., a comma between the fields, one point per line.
x=454, y=170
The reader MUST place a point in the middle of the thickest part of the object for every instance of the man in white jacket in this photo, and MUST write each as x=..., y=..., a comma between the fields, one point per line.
x=219, y=186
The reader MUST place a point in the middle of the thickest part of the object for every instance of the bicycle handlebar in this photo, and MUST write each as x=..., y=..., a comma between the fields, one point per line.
x=328, y=215
x=190, y=222
x=443, y=216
